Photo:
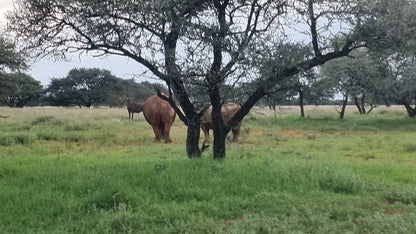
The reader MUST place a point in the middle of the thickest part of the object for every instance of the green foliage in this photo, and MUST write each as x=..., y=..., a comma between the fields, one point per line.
x=341, y=181
x=361, y=78
x=91, y=171
x=393, y=21
x=17, y=89
x=95, y=87
x=10, y=59
x=83, y=87
x=403, y=195
x=16, y=139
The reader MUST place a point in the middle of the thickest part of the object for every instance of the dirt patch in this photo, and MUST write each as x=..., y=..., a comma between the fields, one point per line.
x=257, y=132
x=273, y=132
x=291, y=133
x=392, y=212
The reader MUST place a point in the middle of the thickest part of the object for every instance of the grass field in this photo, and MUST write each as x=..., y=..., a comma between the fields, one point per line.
x=65, y=170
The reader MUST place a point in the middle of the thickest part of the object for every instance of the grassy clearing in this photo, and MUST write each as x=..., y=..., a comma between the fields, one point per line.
x=90, y=171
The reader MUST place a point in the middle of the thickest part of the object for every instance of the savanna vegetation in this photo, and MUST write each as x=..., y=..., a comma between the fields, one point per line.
x=72, y=170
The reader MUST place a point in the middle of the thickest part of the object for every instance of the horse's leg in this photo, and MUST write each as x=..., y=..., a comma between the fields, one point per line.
x=236, y=133
x=166, y=131
x=156, y=130
x=206, y=134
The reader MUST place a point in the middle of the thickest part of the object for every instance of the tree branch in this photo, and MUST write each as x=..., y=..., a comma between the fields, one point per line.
x=314, y=33
x=172, y=103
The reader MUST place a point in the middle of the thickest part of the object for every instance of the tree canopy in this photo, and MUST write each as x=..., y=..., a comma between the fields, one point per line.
x=359, y=77
x=10, y=58
x=16, y=89
x=94, y=87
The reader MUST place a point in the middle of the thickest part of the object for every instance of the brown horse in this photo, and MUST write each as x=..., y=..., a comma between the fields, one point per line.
x=228, y=110
x=160, y=115
x=133, y=107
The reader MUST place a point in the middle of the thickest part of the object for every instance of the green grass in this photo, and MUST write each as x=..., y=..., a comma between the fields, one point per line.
x=90, y=171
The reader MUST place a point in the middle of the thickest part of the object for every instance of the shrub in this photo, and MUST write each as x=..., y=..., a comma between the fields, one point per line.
x=340, y=181
x=72, y=137
x=6, y=140
x=23, y=139
x=46, y=120
x=47, y=136
x=406, y=196
x=410, y=148
x=19, y=139
x=42, y=119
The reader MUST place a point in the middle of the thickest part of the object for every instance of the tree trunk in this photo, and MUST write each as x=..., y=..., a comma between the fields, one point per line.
x=360, y=104
x=371, y=108
x=220, y=132
x=363, y=104
x=302, y=111
x=215, y=78
x=274, y=112
x=190, y=117
x=219, y=137
x=411, y=112
x=357, y=104
x=192, y=138
x=344, y=105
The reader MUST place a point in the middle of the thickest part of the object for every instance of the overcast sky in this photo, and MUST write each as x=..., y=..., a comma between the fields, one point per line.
x=46, y=69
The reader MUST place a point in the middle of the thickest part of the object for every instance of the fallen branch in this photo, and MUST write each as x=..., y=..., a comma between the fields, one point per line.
x=4, y=117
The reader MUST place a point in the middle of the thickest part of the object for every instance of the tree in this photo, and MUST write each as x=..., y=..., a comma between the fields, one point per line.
x=59, y=92
x=211, y=42
x=400, y=84
x=18, y=88
x=11, y=90
x=359, y=77
x=304, y=87
x=83, y=87
x=294, y=85
x=93, y=86
x=407, y=87
x=396, y=52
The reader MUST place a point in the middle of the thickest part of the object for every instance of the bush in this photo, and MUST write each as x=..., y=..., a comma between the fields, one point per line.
x=18, y=139
x=342, y=181
x=406, y=196
x=410, y=148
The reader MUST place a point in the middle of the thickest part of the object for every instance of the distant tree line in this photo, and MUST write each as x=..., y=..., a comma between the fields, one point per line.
x=83, y=87
x=95, y=87
x=361, y=80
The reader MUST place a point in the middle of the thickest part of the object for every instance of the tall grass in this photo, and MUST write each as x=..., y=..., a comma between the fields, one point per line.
x=90, y=171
